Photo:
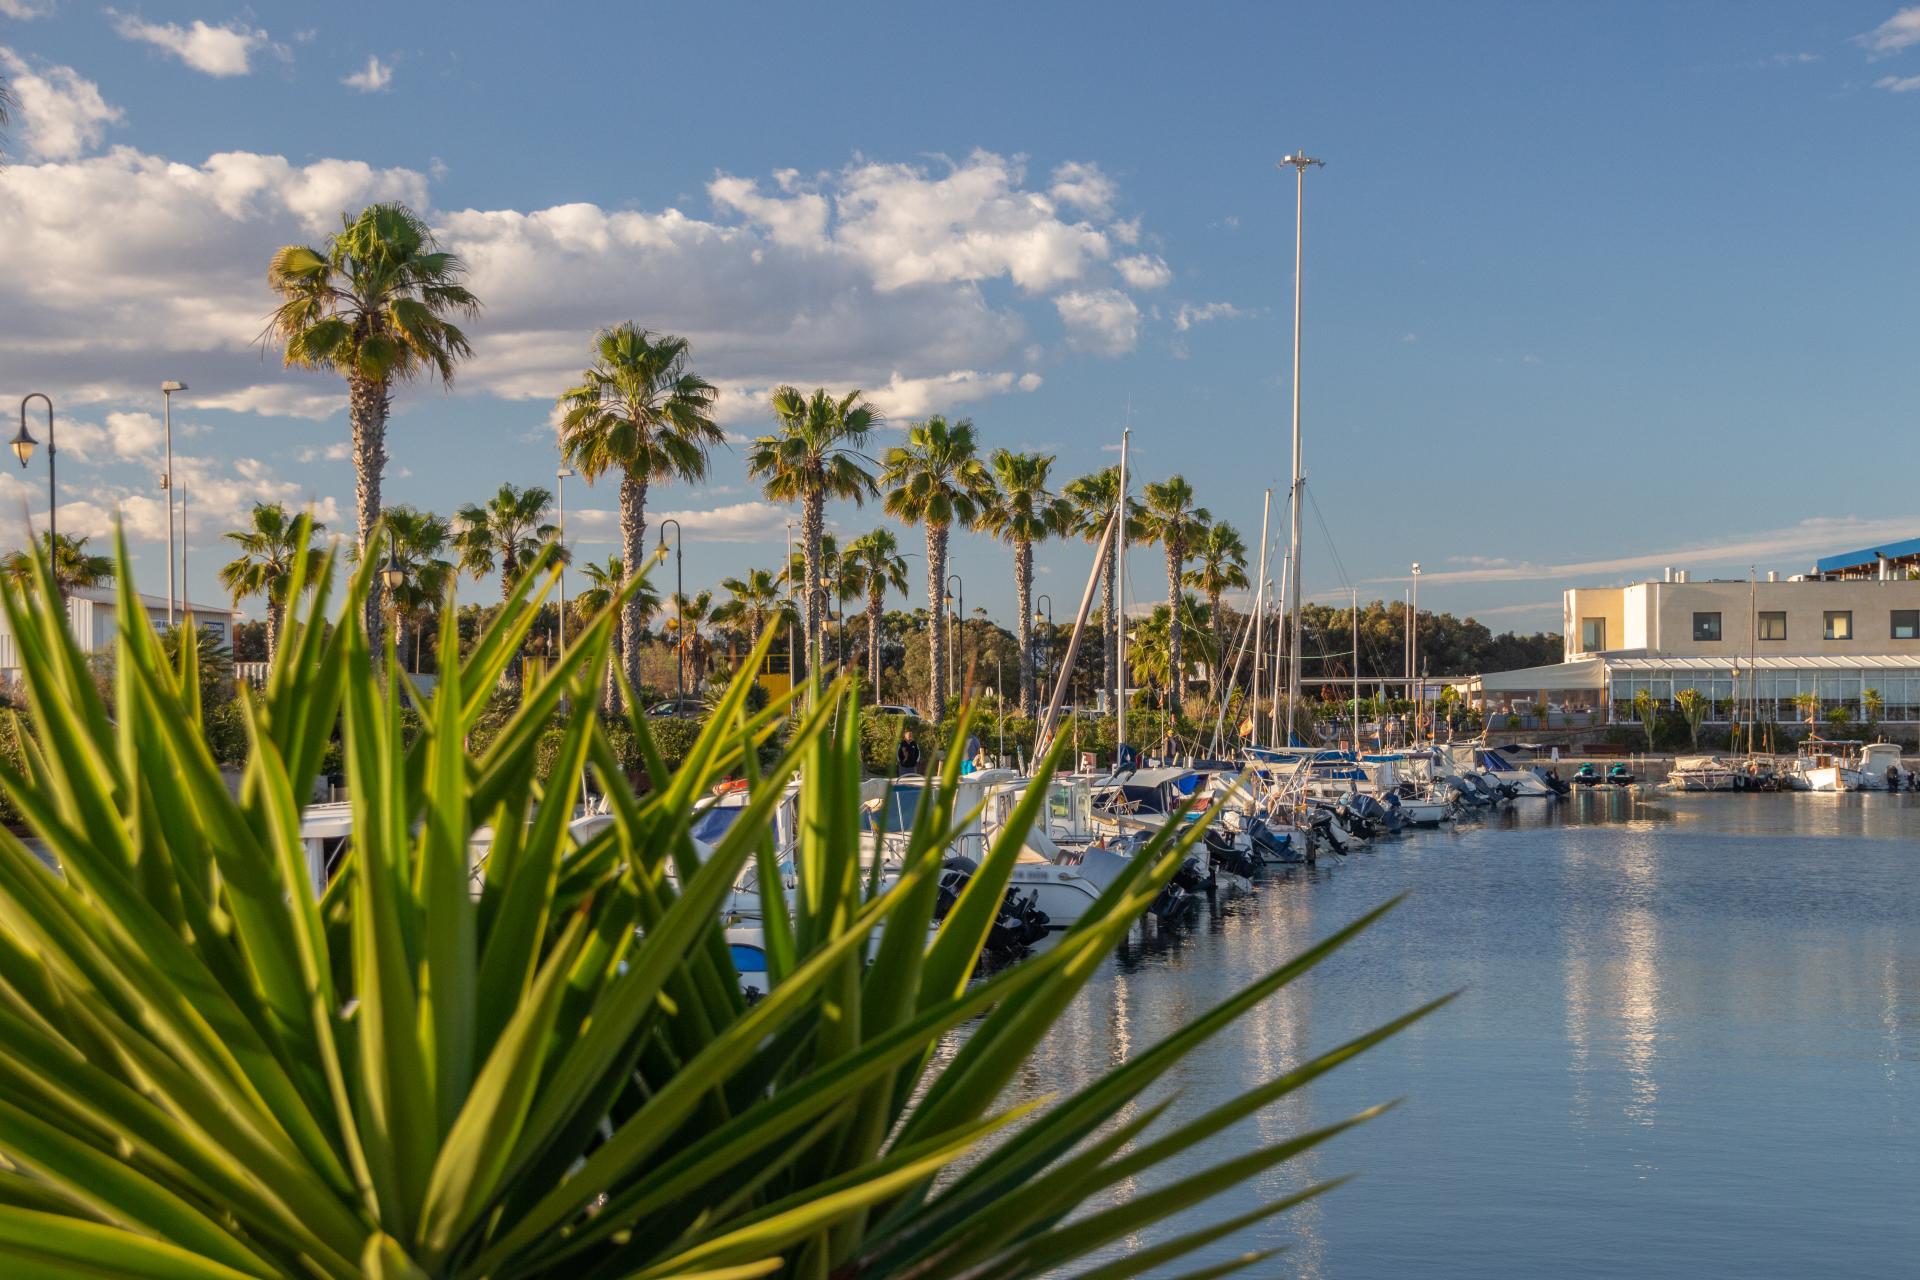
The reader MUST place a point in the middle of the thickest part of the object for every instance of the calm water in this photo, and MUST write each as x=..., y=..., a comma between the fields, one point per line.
x=1688, y=1042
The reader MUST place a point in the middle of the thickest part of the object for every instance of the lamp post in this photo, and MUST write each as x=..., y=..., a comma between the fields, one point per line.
x=679, y=608
x=956, y=605
x=167, y=389
x=23, y=449
x=560, y=479
x=1043, y=596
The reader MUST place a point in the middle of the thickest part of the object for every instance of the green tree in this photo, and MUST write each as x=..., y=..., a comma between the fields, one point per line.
x=638, y=411
x=1874, y=705
x=1168, y=517
x=272, y=546
x=755, y=599
x=1093, y=499
x=1808, y=704
x=375, y=303
x=813, y=457
x=417, y=541
x=1221, y=566
x=691, y=614
x=73, y=565
x=936, y=480
x=1694, y=706
x=871, y=565
x=506, y=533
x=1646, y=709
x=1024, y=511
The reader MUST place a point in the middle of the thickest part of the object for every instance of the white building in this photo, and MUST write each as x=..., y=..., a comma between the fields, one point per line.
x=91, y=615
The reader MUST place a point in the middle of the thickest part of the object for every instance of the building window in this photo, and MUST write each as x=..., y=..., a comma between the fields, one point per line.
x=1839, y=624
x=1773, y=626
x=1706, y=626
x=1906, y=624
x=1593, y=635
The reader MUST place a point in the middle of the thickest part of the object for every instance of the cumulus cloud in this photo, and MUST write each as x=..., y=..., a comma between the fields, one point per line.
x=25, y=10
x=338, y=451
x=754, y=521
x=1190, y=315
x=372, y=78
x=61, y=113
x=1103, y=321
x=903, y=399
x=1901, y=31
x=218, y=493
x=1085, y=187
x=1898, y=84
x=216, y=51
x=1144, y=271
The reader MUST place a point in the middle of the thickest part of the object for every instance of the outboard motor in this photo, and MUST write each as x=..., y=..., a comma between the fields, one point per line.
x=1465, y=793
x=1382, y=818
x=1191, y=877
x=1276, y=846
x=1019, y=923
x=1228, y=853
x=1172, y=904
x=1320, y=829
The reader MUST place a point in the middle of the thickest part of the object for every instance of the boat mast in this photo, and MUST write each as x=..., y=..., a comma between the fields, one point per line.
x=1298, y=161
x=1260, y=611
x=1120, y=605
x=1277, y=692
x=1356, y=670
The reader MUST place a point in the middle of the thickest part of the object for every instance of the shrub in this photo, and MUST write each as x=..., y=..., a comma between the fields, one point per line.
x=543, y=1066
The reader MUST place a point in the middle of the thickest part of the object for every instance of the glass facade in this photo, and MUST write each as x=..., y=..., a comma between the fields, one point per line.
x=1773, y=693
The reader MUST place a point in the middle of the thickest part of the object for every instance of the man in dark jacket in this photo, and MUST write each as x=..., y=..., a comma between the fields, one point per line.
x=908, y=756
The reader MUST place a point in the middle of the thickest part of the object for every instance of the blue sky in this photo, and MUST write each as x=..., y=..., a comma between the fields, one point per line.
x=1590, y=289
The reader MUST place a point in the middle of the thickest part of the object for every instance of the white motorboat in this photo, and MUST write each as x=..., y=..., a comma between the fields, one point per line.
x=1827, y=765
x=1702, y=773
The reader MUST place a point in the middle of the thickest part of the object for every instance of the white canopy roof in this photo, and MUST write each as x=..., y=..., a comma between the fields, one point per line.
x=1582, y=673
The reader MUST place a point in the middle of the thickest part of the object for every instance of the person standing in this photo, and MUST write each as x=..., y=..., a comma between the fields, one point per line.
x=907, y=756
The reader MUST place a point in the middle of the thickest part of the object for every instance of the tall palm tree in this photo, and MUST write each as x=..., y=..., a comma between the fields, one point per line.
x=755, y=599
x=1092, y=499
x=1168, y=517
x=73, y=566
x=1221, y=567
x=873, y=563
x=415, y=541
x=1024, y=511
x=272, y=544
x=813, y=457
x=603, y=585
x=638, y=411
x=691, y=614
x=507, y=533
x=936, y=480
x=374, y=303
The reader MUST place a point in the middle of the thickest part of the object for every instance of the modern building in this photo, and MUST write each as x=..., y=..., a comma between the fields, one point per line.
x=90, y=613
x=1847, y=633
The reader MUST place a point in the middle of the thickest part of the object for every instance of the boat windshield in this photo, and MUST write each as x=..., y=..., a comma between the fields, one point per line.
x=713, y=822
x=896, y=811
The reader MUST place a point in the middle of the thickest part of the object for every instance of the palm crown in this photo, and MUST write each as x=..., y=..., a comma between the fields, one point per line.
x=1221, y=558
x=72, y=565
x=936, y=478
x=1023, y=509
x=638, y=410
x=272, y=546
x=507, y=533
x=872, y=563
x=816, y=452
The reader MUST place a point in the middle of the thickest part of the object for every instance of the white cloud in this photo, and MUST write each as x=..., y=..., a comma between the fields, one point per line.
x=1791, y=59
x=25, y=10
x=754, y=521
x=1189, y=315
x=338, y=451
x=372, y=78
x=1901, y=31
x=1103, y=321
x=902, y=399
x=1898, y=84
x=217, y=494
x=1145, y=271
x=1083, y=186
x=61, y=113
x=217, y=51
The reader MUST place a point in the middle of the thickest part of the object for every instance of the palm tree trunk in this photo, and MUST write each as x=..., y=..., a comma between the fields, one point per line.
x=1175, y=557
x=273, y=630
x=873, y=638
x=633, y=546
x=367, y=405
x=937, y=611
x=1023, y=588
x=813, y=523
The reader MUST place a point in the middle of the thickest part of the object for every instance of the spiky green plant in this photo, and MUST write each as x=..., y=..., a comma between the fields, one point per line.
x=533, y=1060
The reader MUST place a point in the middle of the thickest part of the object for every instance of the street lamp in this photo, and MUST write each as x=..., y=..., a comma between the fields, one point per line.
x=560, y=478
x=1043, y=596
x=23, y=449
x=393, y=573
x=679, y=607
x=957, y=605
x=167, y=389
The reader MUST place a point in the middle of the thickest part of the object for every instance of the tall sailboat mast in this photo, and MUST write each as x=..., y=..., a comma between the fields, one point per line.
x=1299, y=162
x=1120, y=606
x=1260, y=613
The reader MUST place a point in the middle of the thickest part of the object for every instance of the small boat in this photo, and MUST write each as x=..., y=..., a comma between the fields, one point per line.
x=1618, y=775
x=1827, y=765
x=1702, y=773
x=1587, y=775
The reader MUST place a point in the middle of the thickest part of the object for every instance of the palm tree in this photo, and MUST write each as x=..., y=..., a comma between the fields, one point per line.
x=936, y=480
x=1024, y=511
x=815, y=456
x=603, y=585
x=755, y=599
x=1221, y=567
x=691, y=614
x=638, y=411
x=72, y=565
x=1873, y=703
x=1169, y=518
x=1809, y=703
x=373, y=304
x=415, y=541
x=1093, y=498
x=270, y=547
x=506, y=532
x=871, y=564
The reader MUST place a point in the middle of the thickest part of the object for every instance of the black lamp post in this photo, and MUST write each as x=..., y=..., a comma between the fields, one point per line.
x=679, y=607
x=1043, y=596
x=23, y=449
x=956, y=606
